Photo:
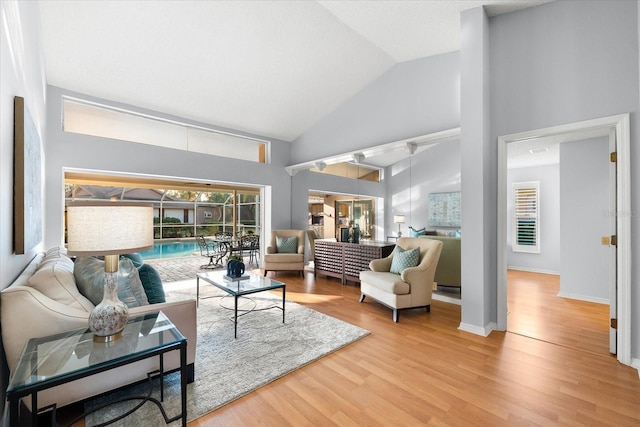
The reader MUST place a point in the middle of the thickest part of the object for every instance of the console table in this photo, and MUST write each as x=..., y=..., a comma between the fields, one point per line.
x=344, y=260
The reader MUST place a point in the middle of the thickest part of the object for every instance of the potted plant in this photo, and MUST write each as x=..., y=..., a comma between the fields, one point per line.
x=234, y=257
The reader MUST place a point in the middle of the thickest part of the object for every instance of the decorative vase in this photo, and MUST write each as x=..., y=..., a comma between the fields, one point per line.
x=108, y=319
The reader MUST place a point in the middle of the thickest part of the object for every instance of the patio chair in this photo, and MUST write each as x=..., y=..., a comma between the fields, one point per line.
x=212, y=250
x=251, y=243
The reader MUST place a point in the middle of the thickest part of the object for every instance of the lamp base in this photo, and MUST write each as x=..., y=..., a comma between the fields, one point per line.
x=108, y=338
x=108, y=319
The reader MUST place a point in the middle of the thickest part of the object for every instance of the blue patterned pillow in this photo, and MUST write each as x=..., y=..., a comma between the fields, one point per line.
x=287, y=245
x=404, y=259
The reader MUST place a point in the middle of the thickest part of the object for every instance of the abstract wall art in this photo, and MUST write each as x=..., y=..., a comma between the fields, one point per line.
x=27, y=181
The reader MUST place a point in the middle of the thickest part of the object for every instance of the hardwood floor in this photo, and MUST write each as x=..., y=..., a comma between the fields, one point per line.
x=424, y=371
x=535, y=310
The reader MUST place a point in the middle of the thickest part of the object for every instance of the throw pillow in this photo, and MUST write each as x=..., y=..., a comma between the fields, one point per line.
x=136, y=258
x=287, y=245
x=404, y=259
x=152, y=284
x=54, y=278
x=415, y=233
x=89, y=274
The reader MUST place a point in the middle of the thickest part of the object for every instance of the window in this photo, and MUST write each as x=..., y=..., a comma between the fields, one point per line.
x=87, y=118
x=526, y=221
x=181, y=209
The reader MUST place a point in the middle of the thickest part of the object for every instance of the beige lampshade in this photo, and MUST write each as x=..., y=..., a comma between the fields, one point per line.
x=398, y=219
x=108, y=228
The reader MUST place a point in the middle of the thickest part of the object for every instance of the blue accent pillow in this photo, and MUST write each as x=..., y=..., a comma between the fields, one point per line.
x=287, y=245
x=415, y=233
x=136, y=258
x=404, y=259
x=152, y=284
x=89, y=274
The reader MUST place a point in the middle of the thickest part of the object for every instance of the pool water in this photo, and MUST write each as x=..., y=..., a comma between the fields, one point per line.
x=171, y=249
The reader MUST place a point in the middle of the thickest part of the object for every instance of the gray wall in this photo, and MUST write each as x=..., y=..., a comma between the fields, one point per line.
x=413, y=98
x=564, y=62
x=548, y=260
x=434, y=170
x=584, y=186
x=67, y=150
x=479, y=178
x=21, y=74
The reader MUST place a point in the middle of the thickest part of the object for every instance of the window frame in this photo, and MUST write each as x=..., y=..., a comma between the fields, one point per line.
x=526, y=207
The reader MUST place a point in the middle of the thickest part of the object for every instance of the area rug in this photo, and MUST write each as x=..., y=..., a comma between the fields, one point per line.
x=228, y=368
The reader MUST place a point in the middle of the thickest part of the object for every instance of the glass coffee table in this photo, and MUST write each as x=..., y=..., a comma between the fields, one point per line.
x=58, y=359
x=238, y=287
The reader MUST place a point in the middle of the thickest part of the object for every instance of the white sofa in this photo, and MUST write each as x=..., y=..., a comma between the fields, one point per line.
x=44, y=300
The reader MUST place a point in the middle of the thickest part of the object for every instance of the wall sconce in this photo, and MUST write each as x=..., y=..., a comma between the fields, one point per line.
x=320, y=165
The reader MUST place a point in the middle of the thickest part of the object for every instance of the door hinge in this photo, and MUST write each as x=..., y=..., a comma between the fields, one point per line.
x=614, y=323
x=614, y=240
x=613, y=157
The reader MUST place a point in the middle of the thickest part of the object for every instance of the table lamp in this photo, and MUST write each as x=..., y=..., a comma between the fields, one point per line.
x=398, y=219
x=109, y=229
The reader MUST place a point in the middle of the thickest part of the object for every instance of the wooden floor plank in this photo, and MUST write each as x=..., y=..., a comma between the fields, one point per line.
x=425, y=371
x=463, y=379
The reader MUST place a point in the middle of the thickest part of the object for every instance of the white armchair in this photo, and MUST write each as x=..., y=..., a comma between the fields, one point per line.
x=412, y=287
x=283, y=254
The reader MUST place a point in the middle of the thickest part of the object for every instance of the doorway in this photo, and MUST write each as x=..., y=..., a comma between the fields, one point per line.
x=558, y=194
x=618, y=127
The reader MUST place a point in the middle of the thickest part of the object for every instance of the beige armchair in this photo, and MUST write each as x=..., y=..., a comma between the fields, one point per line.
x=285, y=253
x=412, y=287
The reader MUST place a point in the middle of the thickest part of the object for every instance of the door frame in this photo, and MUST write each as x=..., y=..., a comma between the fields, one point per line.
x=578, y=131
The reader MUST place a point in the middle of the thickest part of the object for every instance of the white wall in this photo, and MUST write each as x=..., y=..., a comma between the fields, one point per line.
x=549, y=258
x=584, y=219
x=479, y=177
x=67, y=150
x=434, y=170
x=564, y=62
x=413, y=98
x=22, y=73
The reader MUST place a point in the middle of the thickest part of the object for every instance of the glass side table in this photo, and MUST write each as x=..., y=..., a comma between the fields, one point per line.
x=58, y=359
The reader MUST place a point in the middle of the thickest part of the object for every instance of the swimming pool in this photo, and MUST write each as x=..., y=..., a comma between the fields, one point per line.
x=171, y=249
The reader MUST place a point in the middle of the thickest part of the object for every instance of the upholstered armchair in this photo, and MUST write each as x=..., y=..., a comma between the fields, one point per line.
x=285, y=251
x=407, y=280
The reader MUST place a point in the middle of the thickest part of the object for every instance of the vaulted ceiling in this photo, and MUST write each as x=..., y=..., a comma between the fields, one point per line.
x=270, y=68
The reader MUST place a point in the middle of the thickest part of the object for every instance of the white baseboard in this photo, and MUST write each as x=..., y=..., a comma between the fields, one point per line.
x=477, y=329
x=533, y=270
x=584, y=298
x=445, y=298
x=635, y=363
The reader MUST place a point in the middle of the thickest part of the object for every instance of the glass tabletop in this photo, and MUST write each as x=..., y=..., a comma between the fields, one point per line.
x=49, y=358
x=249, y=283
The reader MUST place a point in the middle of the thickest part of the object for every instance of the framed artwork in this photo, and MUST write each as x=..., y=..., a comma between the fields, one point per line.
x=27, y=180
x=444, y=209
